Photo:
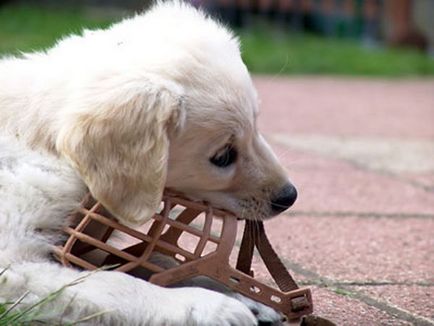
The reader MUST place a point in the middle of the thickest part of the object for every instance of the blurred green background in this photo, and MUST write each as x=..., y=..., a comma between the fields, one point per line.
x=267, y=47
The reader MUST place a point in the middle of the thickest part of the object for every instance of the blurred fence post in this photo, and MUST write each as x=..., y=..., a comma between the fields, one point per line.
x=371, y=13
x=423, y=17
x=399, y=27
x=296, y=19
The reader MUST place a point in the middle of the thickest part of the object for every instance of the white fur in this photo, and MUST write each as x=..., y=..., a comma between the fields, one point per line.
x=99, y=111
x=37, y=192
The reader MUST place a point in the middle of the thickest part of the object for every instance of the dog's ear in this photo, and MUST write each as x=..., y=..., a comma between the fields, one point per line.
x=120, y=146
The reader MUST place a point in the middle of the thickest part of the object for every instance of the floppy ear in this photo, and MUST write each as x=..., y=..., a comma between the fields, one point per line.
x=120, y=148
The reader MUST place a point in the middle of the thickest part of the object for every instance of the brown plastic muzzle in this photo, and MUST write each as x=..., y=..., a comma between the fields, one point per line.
x=197, y=236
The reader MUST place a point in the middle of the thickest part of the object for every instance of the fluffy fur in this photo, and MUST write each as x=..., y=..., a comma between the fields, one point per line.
x=125, y=112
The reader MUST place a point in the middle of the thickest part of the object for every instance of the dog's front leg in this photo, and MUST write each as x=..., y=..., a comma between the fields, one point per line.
x=264, y=314
x=118, y=298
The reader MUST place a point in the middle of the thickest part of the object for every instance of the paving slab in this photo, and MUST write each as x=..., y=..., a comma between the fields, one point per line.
x=344, y=310
x=330, y=185
x=425, y=180
x=366, y=250
x=416, y=299
x=361, y=153
x=347, y=106
x=367, y=267
x=387, y=155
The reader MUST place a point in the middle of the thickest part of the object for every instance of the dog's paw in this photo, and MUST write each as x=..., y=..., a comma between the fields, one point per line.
x=264, y=314
x=205, y=307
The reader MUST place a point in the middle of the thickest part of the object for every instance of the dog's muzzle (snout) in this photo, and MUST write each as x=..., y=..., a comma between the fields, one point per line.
x=284, y=199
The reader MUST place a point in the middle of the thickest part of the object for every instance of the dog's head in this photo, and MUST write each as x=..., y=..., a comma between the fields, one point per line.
x=180, y=114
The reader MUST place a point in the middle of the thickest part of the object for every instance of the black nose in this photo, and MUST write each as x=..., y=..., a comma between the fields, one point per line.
x=284, y=198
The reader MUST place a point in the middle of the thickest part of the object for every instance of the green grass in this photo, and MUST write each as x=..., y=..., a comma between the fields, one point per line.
x=12, y=314
x=24, y=28
x=266, y=51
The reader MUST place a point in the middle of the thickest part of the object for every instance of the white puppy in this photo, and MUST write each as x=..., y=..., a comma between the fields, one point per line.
x=159, y=100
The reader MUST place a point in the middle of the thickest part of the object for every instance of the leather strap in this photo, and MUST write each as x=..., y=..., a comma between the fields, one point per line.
x=254, y=236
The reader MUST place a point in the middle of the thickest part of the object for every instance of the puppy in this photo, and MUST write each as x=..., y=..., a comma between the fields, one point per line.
x=159, y=100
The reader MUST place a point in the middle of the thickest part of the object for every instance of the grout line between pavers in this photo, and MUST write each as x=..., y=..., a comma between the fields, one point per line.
x=396, y=177
x=414, y=183
x=390, y=309
x=358, y=214
x=360, y=166
x=341, y=288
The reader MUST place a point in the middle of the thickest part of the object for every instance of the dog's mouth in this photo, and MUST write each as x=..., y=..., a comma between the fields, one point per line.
x=219, y=200
x=248, y=207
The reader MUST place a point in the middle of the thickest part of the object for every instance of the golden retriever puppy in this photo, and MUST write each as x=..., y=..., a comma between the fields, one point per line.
x=159, y=100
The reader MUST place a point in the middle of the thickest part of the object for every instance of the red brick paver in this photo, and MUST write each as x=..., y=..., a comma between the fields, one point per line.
x=344, y=310
x=358, y=249
x=345, y=106
x=333, y=185
x=416, y=298
x=361, y=153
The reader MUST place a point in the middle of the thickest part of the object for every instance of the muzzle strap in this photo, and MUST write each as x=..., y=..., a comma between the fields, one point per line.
x=255, y=236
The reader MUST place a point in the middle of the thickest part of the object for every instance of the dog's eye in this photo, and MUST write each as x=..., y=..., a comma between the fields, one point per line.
x=224, y=157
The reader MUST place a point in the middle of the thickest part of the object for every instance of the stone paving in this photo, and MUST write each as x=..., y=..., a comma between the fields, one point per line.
x=361, y=153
